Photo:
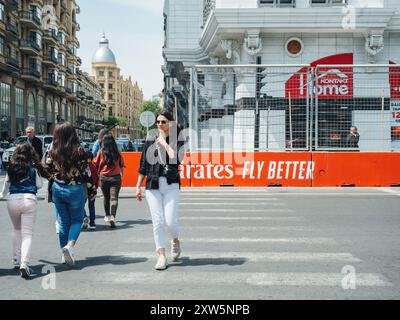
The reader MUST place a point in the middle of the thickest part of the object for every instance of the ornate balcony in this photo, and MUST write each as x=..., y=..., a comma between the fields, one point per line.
x=29, y=47
x=50, y=60
x=51, y=36
x=30, y=19
x=31, y=75
x=12, y=31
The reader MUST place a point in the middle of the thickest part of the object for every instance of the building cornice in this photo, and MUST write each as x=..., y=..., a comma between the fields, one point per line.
x=186, y=56
x=226, y=22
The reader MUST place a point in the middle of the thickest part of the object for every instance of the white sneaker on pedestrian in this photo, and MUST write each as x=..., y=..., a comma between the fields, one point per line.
x=107, y=219
x=24, y=271
x=16, y=263
x=175, y=250
x=68, y=254
x=113, y=222
x=162, y=263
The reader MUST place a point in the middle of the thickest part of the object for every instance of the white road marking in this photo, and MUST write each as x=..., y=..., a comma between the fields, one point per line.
x=244, y=203
x=232, y=198
x=254, y=256
x=199, y=279
x=305, y=240
x=235, y=210
x=243, y=228
x=241, y=218
x=391, y=191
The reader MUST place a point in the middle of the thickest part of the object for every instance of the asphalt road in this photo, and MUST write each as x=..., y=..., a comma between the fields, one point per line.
x=283, y=243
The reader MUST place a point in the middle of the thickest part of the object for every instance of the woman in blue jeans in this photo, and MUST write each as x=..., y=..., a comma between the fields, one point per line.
x=72, y=180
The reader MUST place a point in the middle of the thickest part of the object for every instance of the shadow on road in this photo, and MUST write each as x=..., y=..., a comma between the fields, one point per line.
x=121, y=225
x=84, y=263
x=229, y=261
x=8, y=272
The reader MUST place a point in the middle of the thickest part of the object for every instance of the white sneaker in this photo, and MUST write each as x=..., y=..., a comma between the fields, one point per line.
x=175, y=250
x=112, y=222
x=24, y=271
x=162, y=263
x=107, y=219
x=57, y=228
x=16, y=263
x=68, y=254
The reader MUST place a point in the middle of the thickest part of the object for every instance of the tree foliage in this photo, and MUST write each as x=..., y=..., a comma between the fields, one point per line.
x=152, y=106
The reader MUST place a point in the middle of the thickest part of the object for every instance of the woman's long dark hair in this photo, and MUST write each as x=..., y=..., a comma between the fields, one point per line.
x=110, y=150
x=66, y=152
x=23, y=157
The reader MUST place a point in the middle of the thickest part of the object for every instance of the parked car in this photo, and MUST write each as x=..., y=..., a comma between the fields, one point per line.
x=85, y=145
x=7, y=154
x=127, y=144
x=138, y=144
x=120, y=145
x=4, y=145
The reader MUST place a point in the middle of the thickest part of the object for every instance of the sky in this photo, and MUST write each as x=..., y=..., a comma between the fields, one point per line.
x=135, y=31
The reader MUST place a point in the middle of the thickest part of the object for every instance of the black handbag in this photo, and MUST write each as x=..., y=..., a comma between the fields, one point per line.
x=171, y=171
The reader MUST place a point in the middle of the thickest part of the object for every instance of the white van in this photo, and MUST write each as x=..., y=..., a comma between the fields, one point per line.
x=7, y=154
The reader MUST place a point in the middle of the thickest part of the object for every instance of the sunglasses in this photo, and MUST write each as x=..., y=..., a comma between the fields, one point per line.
x=161, y=122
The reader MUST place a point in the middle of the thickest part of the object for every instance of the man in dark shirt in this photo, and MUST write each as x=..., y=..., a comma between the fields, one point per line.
x=353, y=138
x=35, y=142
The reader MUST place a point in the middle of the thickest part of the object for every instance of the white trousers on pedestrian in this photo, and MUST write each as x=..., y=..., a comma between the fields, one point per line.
x=23, y=216
x=163, y=204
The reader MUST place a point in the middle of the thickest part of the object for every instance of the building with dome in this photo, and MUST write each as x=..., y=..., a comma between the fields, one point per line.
x=123, y=97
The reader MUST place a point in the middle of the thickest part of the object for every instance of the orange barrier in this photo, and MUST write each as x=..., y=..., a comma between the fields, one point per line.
x=251, y=169
x=132, y=162
x=261, y=169
x=361, y=169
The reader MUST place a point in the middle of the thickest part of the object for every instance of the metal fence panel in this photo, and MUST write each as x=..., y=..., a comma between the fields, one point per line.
x=295, y=108
x=355, y=107
x=251, y=108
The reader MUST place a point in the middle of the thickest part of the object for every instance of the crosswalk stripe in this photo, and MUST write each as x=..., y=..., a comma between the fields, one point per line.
x=253, y=256
x=232, y=198
x=241, y=218
x=243, y=228
x=244, y=203
x=305, y=240
x=235, y=210
x=239, y=278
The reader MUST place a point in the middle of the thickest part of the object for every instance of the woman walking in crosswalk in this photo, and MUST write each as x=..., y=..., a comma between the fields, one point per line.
x=22, y=182
x=159, y=164
x=72, y=180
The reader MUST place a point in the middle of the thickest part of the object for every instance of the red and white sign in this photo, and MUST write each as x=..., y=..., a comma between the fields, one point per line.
x=333, y=83
x=394, y=79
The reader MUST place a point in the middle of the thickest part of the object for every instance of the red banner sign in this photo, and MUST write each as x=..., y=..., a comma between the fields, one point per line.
x=333, y=83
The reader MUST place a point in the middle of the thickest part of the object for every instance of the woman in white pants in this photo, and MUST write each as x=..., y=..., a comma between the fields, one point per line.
x=159, y=164
x=22, y=183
